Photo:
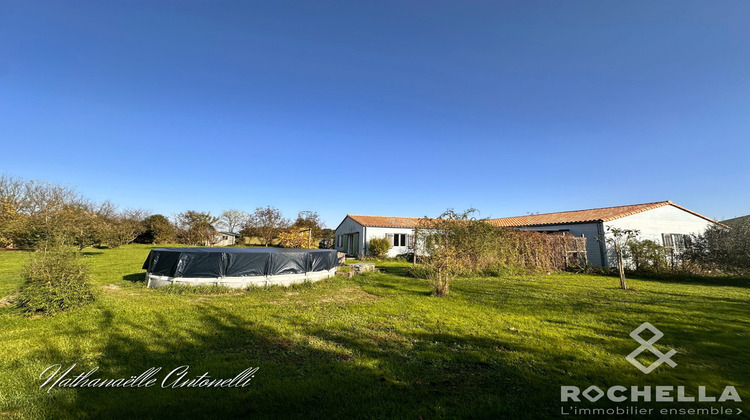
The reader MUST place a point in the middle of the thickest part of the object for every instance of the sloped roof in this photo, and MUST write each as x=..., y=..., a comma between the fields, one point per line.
x=385, y=221
x=604, y=214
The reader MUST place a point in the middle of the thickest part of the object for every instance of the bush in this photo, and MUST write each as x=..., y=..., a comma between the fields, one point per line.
x=725, y=250
x=55, y=280
x=379, y=247
x=647, y=255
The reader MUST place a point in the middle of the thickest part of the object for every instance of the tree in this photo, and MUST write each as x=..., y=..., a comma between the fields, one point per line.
x=293, y=237
x=448, y=242
x=310, y=220
x=266, y=223
x=619, y=239
x=125, y=227
x=723, y=249
x=157, y=230
x=232, y=220
x=197, y=227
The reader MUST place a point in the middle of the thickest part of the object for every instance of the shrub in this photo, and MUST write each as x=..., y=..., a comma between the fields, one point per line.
x=726, y=250
x=294, y=238
x=379, y=247
x=55, y=280
x=647, y=255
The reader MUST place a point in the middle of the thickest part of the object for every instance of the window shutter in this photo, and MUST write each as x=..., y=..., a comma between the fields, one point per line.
x=390, y=238
x=409, y=240
x=667, y=239
x=679, y=241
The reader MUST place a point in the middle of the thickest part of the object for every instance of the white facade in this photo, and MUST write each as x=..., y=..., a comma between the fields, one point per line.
x=224, y=239
x=661, y=225
x=354, y=239
x=668, y=225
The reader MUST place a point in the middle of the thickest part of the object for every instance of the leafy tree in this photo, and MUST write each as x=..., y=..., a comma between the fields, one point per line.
x=197, y=227
x=293, y=237
x=266, y=223
x=125, y=227
x=157, y=230
x=310, y=220
x=726, y=250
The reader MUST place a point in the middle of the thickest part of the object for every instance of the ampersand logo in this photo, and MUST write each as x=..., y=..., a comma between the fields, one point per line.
x=648, y=345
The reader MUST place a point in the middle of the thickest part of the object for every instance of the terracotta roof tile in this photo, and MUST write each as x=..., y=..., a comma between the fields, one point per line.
x=385, y=221
x=604, y=214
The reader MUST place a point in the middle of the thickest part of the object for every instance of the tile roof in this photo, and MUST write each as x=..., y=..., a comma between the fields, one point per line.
x=604, y=214
x=385, y=221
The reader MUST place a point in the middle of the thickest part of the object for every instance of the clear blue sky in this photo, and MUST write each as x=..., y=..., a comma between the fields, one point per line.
x=387, y=108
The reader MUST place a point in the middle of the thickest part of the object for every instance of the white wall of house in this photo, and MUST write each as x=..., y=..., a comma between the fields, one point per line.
x=349, y=227
x=365, y=233
x=382, y=232
x=668, y=219
x=653, y=224
x=589, y=230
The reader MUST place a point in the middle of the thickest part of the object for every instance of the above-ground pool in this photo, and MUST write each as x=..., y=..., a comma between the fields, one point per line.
x=238, y=267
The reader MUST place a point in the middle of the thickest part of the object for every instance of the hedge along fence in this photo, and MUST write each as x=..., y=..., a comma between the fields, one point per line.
x=544, y=251
x=474, y=246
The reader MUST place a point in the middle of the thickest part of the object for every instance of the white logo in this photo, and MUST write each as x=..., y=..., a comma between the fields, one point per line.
x=648, y=345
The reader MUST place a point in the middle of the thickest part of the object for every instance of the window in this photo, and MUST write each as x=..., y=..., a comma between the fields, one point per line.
x=676, y=241
x=399, y=239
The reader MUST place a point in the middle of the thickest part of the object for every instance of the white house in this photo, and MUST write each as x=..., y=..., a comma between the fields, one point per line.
x=354, y=233
x=663, y=222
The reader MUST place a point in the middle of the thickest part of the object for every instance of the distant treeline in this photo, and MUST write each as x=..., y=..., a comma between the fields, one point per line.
x=33, y=213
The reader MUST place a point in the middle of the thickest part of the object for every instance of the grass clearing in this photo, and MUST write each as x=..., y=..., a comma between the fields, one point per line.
x=376, y=345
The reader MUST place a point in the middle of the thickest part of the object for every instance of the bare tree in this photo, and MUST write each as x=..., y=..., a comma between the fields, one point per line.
x=266, y=223
x=231, y=220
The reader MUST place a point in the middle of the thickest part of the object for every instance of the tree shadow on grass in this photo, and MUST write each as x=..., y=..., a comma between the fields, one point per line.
x=313, y=375
x=91, y=253
x=396, y=271
x=135, y=277
x=743, y=282
x=380, y=371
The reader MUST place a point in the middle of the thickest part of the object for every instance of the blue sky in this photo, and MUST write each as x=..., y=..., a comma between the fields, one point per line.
x=387, y=108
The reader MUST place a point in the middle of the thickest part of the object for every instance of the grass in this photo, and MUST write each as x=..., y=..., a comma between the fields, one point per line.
x=373, y=346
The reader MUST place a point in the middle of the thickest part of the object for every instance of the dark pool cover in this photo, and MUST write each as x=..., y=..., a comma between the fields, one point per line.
x=237, y=262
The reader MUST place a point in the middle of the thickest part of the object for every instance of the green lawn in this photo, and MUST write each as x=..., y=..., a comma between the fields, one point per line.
x=373, y=346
